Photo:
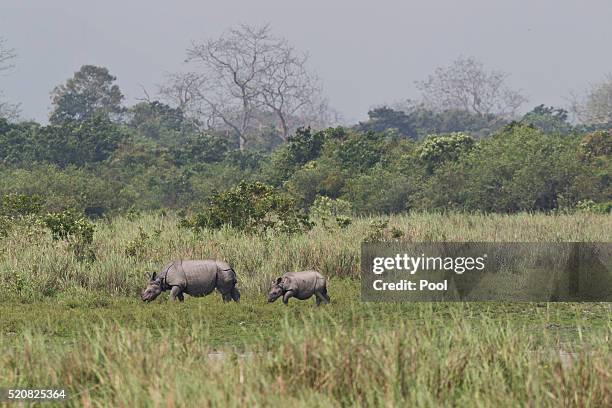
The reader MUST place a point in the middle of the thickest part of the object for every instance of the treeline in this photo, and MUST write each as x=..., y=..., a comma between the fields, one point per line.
x=395, y=162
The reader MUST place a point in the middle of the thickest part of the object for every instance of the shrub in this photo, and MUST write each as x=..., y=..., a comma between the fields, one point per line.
x=436, y=150
x=251, y=207
x=137, y=247
x=74, y=229
x=590, y=206
x=20, y=205
x=325, y=208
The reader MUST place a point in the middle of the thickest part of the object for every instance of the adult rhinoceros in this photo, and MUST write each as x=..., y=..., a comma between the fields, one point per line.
x=195, y=278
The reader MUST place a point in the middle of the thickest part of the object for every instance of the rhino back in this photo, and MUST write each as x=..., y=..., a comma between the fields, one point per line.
x=200, y=276
x=305, y=283
x=174, y=275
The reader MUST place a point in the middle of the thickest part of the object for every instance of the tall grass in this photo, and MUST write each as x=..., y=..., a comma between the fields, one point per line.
x=69, y=324
x=445, y=361
x=32, y=265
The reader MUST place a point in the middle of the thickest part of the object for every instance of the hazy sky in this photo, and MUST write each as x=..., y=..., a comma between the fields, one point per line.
x=367, y=53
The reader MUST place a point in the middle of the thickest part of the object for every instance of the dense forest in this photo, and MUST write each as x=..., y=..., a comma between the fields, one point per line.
x=157, y=160
x=461, y=147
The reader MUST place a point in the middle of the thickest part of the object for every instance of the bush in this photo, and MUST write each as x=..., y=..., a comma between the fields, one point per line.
x=251, y=207
x=74, y=229
x=137, y=247
x=590, y=206
x=437, y=149
x=20, y=205
x=325, y=208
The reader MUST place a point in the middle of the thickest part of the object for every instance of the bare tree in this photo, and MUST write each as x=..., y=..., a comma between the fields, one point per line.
x=292, y=93
x=230, y=68
x=248, y=79
x=466, y=85
x=183, y=90
x=595, y=108
x=7, y=55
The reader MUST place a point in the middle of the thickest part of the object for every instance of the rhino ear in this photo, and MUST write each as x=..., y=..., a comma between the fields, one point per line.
x=278, y=280
x=153, y=275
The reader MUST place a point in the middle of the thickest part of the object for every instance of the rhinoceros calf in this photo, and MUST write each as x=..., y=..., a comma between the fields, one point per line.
x=300, y=285
x=195, y=278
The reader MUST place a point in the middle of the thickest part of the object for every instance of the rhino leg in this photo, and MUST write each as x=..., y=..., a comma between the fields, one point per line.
x=325, y=295
x=286, y=297
x=235, y=294
x=176, y=293
x=322, y=296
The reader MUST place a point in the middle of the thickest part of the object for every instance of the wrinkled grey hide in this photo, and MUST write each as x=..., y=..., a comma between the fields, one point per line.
x=195, y=278
x=300, y=285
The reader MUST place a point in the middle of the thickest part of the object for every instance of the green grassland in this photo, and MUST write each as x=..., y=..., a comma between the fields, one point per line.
x=80, y=325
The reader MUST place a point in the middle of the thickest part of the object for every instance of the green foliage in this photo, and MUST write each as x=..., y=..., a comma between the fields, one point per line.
x=66, y=225
x=382, y=190
x=358, y=152
x=301, y=148
x=305, y=145
x=158, y=121
x=199, y=149
x=99, y=167
x=376, y=230
x=5, y=225
x=591, y=206
x=19, y=210
x=549, y=120
x=322, y=177
x=450, y=121
x=436, y=150
x=325, y=209
x=137, y=247
x=251, y=207
x=89, y=93
x=74, y=229
x=520, y=169
x=20, y=205
x=91, y=140
x=417, y=122
x=596, y=145
x=384, y=119
x=85, y=191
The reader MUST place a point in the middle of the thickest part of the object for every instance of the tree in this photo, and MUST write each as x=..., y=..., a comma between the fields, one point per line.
x=246, y=79
x=231, y=67
x=595, y=108
x=159, y=121
x=466, y=85
x=384, y=118
x=291, y=92
x=7, y=55
x=81, y=143
x=548, y=119
x=438, y=149
x=89, y=93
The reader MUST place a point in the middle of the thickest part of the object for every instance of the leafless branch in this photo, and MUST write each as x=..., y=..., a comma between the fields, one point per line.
x=7, y=55
x=466, y=85
x=595, y=106
x=245, y=80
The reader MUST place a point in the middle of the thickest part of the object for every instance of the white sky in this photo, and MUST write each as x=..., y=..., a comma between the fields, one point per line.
x=367, y=53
